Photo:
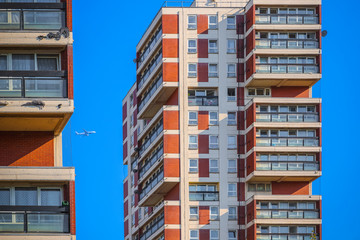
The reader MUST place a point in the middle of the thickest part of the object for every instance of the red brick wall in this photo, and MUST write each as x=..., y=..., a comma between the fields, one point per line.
x=204, y=234
x=203, y=46
x=126, y=208
x=27, y=149
x=240, y=48
x=250, y=42
x=124, y=111
x=290, y=188
x=240, y=19
x=173, y=194
x=240, y=96
x=174, y=99
x=250, y=18
x=125, y=131
x=170, y=48
x=250, y=139
x=204, y=215
x=250, y=66
x=72, y=207
x=203, y=167
x=298, y=92
x=240, y=72
x=240, y=120
x=170, y=72
x=250, y=115
x=203, y=142
x=250, y=163
x=171, y=167
x=125, y=189
x=171, y=143
x=251, y=210
x=171, y=120
x=202, y=24
x=126, y=228
x=251, y=232
x=172, y=214
x=203, y=120
x=170, y=24
x=241, y=214
x=173, y=234
x=203, y=74
x=125, y=150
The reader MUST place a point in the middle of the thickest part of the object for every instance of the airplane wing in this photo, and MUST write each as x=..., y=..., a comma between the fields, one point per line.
x=86, y=132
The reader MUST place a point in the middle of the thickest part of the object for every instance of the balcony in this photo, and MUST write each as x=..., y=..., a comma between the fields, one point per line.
x=287, y=68
x=151, y=138
x=287, y=166
x=284, y=236
x=151, y=162
x=287, y=142
x=148, y=73
x=287, y=117
x=287, y=214
x=203, y=101
x=287, y=44
x=155, y=228
x=287, y=19
x=37, y=174
x=156, y=187
x=155, y=97
x=14, y=219
x=153, y=43
x=204, y=196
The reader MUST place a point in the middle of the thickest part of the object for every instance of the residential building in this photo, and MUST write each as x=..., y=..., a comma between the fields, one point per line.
x=221, y=135
x=37, y=194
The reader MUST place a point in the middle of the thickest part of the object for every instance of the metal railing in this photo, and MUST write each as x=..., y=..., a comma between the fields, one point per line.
x=32, y=19
x=287, y=117
x=34, y=222
x=151, y=161
x=149, y=70
x=152, y=184
x=286, y=166
x=204, y=196
x=287, y=43
x=287, y=142
x=203, y=101
x=204, y=4
x=156, y=85
x=286, y=19
x=31, y=87
x=287, y=213
x=286, y=68
x=153, y=228
x=155, y=132
x=284, y=236
x=150, y=46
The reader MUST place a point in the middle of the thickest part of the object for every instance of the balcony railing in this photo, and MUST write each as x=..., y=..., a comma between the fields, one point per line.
x=31, y=19
x=31, y=87
x=286, y=166
x=203, y=101
x=153, y=228
x=151, y=161
x=150, y=46
x=151, y=185
x=151, y=138
x=287, y=214
x=287, y=43
x=287, y=117
x=287, y=142
x=286, y=19
x=155, y=86
x=285, y=236
x=151, y=67
x=204, y=196
x=286, y=68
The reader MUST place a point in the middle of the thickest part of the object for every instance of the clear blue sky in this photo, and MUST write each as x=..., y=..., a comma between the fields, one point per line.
x=106, y=34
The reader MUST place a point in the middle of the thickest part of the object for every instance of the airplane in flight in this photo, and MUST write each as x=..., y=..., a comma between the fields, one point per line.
x=85, y=133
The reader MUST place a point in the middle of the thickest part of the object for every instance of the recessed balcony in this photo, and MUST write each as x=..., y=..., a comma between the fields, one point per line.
x=154, y=229
x=149, y=72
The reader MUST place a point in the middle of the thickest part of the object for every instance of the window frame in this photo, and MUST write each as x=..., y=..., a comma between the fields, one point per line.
x=213, y=122
x=193, y=122
x=212, y=26
x=194, y=49
x=228, y=49
x=216, y=216
x=213, y=146
x=197, y=234
x=195, y=169
x=231, y=98
x=214, y=169
x=218, y=234
x=194, y=217
x=195, y=145
x=232, y=193
x=235, y=168
x=231, y=74
x=232, y=25
x=232, y=216
x=213, y=50
x=192, y=73
x=213, y=74
x=231, y=122
x=194, y=25
x=234, y=146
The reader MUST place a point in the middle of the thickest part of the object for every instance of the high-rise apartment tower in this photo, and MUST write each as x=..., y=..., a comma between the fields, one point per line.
x=37, y=194
x=220, y=131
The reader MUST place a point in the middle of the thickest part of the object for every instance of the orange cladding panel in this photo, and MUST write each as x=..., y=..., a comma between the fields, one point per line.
x=202, y=24
x=172, y=214
x=171, y=143
x=290, y=188
x=173, y=234
x=170, y=72
x=297, y=92
x=171, y=120
x=204, y=215
x=170, y=48
x=203, y=120
x=171, y=167
x=170, y=24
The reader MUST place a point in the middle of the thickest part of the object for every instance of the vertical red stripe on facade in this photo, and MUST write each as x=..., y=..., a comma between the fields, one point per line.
x=203, y=167
x=318, y=12
x=70, y=73
x=126, y=208
x=125, y=189
x=241, y=144
x=204, y=215
x=171, y=167
x=170, y=23
x=204, y=234
x=250, y=42
x=251, y=211
x=171, y=120
x=69, y=15
x=124, y=111
x=241, y=168
x=174, y=99
x=136, y=218
x=172, y=215
x=203, y=143
x=72, y=207
x=250, y=163
x=240, y=96
x=173, y=234
x=203, y=74
x=241, y=214
x=250, y=115
x=241, y=120
x=203, y=48
x=203, y=120
x=170, y=48
x=250, y=66
x=173, y=194
x=125, y=131
x=240, y=72
x=125, y=150
x=250, y=139
x=240, y=20
x=171, y=143
x=202, y=24
x=126, y=228
x=240, y=48
x=250, y=18
x=241, y=234
x=170, y=72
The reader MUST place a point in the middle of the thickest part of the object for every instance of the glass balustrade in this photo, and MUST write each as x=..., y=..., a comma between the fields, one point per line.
x=150, y=92
x=286, y=68
x=286, y=142
x=287, y=43
x=286, y=19
x=287, y=117
x=286, y=166
x=203, y=101
x=149, y=70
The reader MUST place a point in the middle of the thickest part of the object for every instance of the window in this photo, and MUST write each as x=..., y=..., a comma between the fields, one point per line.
x=231, y=118
x=231, y=142
x=212, y=22
x=259, y=92
x=203, y=192
x=192, y=70
x=31, y=196
x=232, y=235
x=213, y=142
x=23, y=62
x=192, y=22
x=132, y=117
x=194, y=234
x=133, y=200
x=131, y=100
x=26, y=196
x=214, y=166
x=193, y=141
x=231, y=189
x=214, y=234
x=193, y=118
x=214, y=213
x=232, y=166
x=192, y=46
x=132, y=139
x=232, y=213
x=259, y=187
x=231, y=46
x=213, y=118
x=231, y=70
x=5, y=197
x=193, y=165
x=231, y=23
x=213, y=46
x=140, y=213
x=213, y=70
x=194, y=213
x=133, y=220
x=47, y=62
x=231, y=96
